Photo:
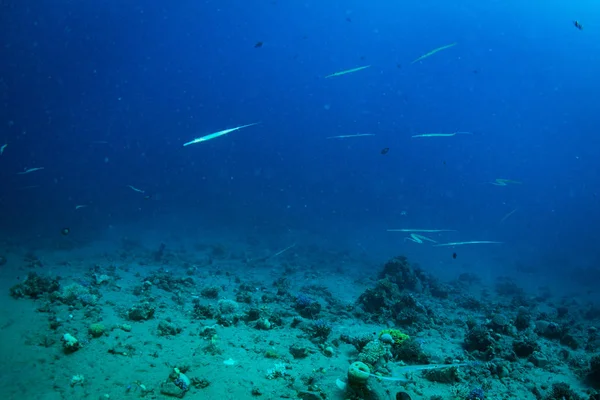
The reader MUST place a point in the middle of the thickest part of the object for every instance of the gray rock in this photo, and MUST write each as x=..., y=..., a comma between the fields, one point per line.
x=172, y=390
x=167, y=328
x=539, y=359
x=141, y=312
x=298, y=351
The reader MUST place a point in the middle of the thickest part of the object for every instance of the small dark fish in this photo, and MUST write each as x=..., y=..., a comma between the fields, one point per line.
x=258, y=44
x=348, y=19
x=402, y=396
x=65, y=231
x=385, y=151
x=398, y=65
x=454, y=255
x=578, y=25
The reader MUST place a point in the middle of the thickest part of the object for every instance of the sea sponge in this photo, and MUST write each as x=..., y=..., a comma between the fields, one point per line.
x=396, y=334
x=358, y=373
x=96, y=330
x=227, y=306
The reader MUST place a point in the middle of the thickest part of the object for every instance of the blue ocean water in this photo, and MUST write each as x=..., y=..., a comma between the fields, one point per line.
x=103, y=96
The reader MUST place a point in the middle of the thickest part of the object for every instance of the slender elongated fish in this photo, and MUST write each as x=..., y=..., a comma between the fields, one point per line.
x=464, y=243
x=208, y=137
x=432, y=52
x=351, y=136
x=505, y=182
x=136, y=189
x=30, y=170
x=2, y=148
x=415, y=237
x=347, y=71
x=507, y=216
x=440, y=134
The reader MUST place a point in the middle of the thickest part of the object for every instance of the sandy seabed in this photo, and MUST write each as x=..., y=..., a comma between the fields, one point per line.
x=233, y=326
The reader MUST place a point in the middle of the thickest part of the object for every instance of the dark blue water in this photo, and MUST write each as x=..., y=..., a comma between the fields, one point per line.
x=103, y=95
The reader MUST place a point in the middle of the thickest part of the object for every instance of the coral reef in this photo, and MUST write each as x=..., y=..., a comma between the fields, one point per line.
x=35, y=286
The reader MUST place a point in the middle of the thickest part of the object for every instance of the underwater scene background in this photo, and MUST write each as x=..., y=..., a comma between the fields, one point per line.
x=317, y=200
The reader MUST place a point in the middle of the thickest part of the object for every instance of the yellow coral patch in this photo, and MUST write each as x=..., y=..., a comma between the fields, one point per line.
x=396, y=334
